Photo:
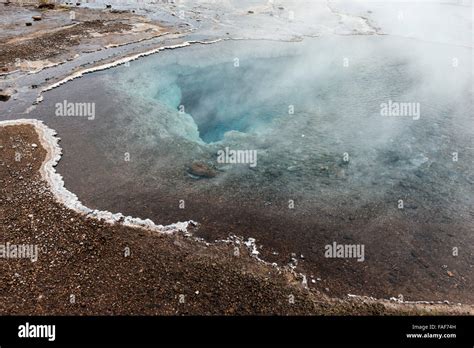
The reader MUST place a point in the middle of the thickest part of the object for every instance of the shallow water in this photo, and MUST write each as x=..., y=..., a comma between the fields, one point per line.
x=329, y=165
x=303, y=109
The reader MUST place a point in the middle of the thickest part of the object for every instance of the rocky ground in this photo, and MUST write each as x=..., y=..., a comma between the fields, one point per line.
x=33, y=37
x=87, y=266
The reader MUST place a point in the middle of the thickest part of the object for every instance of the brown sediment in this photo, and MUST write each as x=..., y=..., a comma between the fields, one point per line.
x=87, y=265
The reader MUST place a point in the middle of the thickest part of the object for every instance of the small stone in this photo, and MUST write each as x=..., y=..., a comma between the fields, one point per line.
x=201, y=169
x=6, y=93
x=48, y=6
x=451, y=274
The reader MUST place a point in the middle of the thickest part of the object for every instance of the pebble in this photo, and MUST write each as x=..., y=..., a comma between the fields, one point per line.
x=201, y=169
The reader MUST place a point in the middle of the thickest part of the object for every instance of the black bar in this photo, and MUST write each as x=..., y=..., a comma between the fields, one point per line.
x=243, y=330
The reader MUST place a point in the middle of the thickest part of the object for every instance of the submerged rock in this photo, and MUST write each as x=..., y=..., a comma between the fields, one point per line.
x=201, y=170
x=5, y=94
x=48, y=6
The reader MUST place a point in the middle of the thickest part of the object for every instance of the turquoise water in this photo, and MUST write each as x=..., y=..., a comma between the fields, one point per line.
x=224, y=98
